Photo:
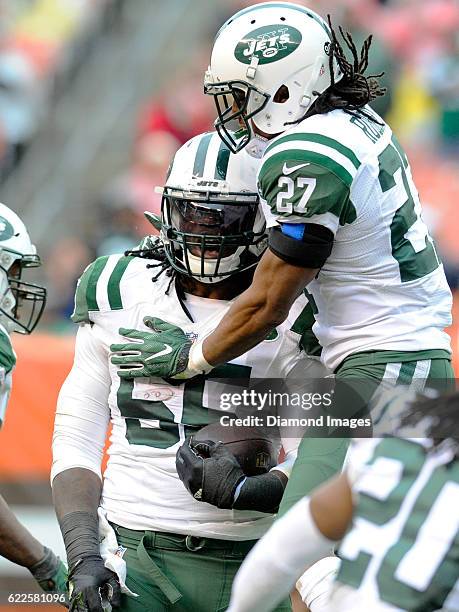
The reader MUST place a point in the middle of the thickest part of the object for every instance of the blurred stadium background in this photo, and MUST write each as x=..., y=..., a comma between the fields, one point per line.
x=95, y=97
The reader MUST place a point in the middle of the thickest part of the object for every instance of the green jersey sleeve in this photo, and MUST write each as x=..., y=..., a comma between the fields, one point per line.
x=7, y=354
x=301, y=186
x=7, y=363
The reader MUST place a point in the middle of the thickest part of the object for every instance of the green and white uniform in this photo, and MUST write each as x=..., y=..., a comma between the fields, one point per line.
x=383, y=287
x=381, y=301
x=7, y=363
x=150, y=418
x=402, y=551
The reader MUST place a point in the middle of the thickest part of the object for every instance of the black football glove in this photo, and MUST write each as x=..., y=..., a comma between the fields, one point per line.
x=213, y=477
x=93, y=587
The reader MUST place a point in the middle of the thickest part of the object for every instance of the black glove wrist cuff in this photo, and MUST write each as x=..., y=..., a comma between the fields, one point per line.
x=80, y=531
x=260, y=493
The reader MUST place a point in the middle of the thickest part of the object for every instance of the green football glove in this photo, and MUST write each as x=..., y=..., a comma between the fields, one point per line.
x=164, y=353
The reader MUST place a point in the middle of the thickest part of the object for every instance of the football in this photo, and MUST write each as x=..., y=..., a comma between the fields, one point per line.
x=255, y=451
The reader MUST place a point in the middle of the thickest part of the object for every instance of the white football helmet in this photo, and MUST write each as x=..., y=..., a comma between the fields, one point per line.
x=212, y=224
x=269, y=61
x=21, y=302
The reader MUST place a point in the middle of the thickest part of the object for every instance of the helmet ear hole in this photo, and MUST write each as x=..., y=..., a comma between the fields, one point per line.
x=281, y=95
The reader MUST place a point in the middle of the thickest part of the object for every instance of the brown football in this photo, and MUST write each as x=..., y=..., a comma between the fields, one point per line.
x=255, y=451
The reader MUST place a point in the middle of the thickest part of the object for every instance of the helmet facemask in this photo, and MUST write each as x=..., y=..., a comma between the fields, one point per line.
x=21, y=302
x=236, y=102
x=211, y=236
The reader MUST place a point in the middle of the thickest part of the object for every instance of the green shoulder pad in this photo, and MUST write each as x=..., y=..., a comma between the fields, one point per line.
x=300, y=184
x=87, y=299
x=7, y=354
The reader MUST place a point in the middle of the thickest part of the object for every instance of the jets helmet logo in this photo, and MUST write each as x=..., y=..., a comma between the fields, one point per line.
x=6, y=229
x=268, y=44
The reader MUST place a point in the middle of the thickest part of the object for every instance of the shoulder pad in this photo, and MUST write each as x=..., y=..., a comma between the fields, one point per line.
x=98, y=288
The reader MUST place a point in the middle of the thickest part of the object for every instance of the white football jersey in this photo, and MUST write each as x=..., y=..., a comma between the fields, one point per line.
x=150, y=418
x=383, y=286
x=401, y=552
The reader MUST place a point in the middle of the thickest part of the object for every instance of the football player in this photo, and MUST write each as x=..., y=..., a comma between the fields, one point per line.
x=394, y=510
x=344, y=219
x=182, y=551
x=21, y=306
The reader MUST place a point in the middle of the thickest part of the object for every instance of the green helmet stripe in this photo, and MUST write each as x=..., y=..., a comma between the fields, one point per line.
x=294, y=7
x=221, y=167
x=319, y=139
x=113, y=286
x=201, y=153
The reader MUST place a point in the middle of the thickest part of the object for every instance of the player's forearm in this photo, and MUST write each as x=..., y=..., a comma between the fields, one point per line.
x=263, y=306
x=16, y=543
x=246, y=324
x=76, y=494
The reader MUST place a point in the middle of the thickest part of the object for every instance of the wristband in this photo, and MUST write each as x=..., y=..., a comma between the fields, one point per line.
x=196, y=361
x=80, y=531
x=261, y=493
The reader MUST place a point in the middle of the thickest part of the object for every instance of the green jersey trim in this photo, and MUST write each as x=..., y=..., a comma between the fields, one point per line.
x=380, y=357
x=318, y=139
x=85, y=296
x=113, y=286
x=7, y=355
x=91, y=291
x=302, y=155
x=86, y=293
x=303, y=326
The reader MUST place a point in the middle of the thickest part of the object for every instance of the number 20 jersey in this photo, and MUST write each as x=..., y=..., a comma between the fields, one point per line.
x=383, y=286
x=150, y=418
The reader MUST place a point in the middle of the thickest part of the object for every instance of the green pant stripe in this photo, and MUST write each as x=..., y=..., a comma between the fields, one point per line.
x=406, y=373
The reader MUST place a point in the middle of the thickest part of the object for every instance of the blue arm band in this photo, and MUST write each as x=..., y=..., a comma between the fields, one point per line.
x=294, y=230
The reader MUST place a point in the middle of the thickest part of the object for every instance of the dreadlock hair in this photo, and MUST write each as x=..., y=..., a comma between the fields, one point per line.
x=441, y=415
x=152, y=247
x=354, y=90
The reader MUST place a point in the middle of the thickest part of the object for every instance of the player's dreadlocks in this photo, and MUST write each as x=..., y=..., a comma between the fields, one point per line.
x=354, y=90
x=441, y=417
x=151, y=247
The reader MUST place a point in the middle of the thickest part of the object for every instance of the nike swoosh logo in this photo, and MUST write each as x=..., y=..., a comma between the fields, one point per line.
x=166, y=351
x=288, y=170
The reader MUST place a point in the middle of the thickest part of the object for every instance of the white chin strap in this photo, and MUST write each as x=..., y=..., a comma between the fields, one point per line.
x=227, y=264
x=257, y=146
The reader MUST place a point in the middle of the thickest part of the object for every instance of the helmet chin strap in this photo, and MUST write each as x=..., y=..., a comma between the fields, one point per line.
x=257, y=145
